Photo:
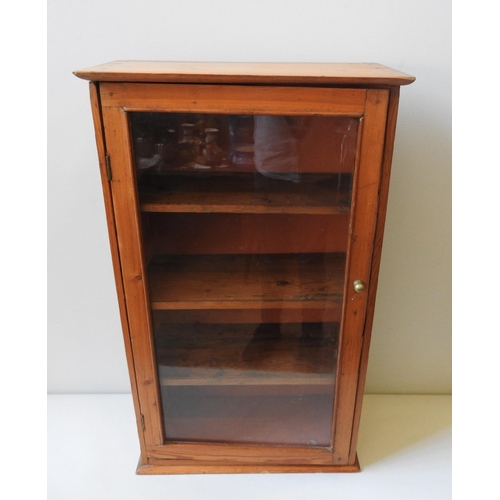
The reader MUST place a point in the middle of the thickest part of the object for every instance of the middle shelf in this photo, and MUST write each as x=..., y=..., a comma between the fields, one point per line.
x=254, y=281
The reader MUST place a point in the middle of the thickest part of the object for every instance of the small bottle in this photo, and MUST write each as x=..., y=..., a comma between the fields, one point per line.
x=167, y=148
x=241, y=142
x=212, y=152
x=189, y=146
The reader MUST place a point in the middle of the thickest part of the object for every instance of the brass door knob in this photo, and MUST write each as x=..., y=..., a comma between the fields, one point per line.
x=359, y=286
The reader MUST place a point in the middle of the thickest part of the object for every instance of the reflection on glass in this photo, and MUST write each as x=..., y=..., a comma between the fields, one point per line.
x=247, y=382
x=245, y=227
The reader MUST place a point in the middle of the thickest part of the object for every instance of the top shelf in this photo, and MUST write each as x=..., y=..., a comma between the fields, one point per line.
x=365, y=74
x=241, y=194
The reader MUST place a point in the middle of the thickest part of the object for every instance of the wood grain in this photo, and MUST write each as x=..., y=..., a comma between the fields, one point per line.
x=246, y=281
x=223, y=99
x=237, y=72
x=214, y=354
x=199, y=453
x=377, y=252
x=126, y=217
x=216, y=233
x=365, y=205
x=155, y=466
x=238, y=194
x=115, y=255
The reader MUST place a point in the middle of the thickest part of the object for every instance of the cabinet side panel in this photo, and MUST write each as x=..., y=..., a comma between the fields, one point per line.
x=132, y=266
x=108, y=204
x=365, y=205
x=377, y=252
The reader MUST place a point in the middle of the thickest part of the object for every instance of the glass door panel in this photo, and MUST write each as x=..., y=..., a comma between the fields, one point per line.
x=245, y=226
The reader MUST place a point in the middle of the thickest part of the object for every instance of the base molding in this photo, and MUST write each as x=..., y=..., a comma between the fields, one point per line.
x=171, y=468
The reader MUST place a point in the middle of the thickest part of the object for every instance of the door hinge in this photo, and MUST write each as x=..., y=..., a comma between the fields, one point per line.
x=108, y=167
x=143, y=425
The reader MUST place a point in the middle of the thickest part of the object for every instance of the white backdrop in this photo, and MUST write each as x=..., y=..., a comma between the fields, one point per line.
x=411, y=343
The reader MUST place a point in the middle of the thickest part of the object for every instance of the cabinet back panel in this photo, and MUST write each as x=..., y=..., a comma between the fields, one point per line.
x=244, y=233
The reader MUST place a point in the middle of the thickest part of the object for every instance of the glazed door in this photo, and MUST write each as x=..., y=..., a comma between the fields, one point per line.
x=245, y=219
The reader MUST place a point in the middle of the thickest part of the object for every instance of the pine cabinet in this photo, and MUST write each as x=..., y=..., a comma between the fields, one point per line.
x=245, y=205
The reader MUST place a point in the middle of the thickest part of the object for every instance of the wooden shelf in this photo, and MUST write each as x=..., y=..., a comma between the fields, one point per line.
x=281, y=281
x=230, y=355
x=239, y=194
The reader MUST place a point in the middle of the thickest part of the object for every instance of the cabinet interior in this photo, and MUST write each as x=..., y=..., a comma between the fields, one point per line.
x=246, y=271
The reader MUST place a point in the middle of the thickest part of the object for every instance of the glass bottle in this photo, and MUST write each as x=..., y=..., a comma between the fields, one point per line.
x=241, y=129
x=166, y=147
x=189, y=146
x=212, y=152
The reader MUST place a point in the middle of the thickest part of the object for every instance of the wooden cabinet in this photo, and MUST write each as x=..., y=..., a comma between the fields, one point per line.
x=245, y=207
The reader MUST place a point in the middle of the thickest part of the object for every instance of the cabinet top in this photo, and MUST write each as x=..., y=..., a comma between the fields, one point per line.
x=231, y=72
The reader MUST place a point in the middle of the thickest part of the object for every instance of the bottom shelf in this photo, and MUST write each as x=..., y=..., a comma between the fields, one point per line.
x=269, y=354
